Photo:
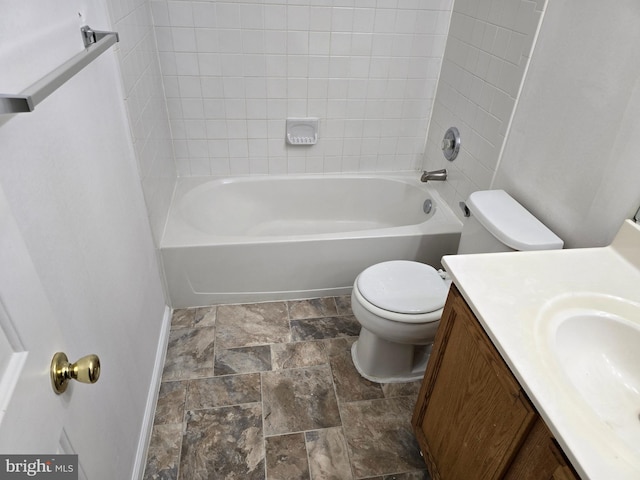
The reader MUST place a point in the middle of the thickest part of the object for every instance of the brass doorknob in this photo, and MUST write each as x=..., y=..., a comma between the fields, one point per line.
x=85, y=370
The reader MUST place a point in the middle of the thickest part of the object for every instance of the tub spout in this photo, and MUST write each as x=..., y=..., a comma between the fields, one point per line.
x=439, y=175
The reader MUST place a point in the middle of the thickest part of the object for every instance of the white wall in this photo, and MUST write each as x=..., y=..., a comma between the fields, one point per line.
x=139, y=67
x=572, y=156
x=488, y=49
x=233, y=71
x=69, y=174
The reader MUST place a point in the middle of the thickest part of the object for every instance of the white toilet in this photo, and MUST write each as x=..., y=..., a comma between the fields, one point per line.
x=399, y=303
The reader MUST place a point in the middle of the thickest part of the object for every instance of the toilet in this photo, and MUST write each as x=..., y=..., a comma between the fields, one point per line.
x=399, y=303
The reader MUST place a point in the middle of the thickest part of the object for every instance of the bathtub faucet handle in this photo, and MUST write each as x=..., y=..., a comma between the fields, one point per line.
x=439, y=175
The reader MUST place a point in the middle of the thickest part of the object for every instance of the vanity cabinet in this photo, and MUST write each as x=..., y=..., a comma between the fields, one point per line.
x=472, y=418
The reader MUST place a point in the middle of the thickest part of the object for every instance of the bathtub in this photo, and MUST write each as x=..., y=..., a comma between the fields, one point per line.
x=251, y=239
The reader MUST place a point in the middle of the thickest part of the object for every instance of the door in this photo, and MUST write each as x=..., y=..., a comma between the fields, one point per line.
x=471, y=415
x=540, y=457
x=78, y=268
x=32, y=416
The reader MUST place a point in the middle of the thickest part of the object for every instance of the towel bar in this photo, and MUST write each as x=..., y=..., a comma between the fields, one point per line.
x=95, y=42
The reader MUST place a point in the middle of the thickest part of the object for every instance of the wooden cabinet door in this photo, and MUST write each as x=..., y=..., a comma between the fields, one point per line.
x=540, y=458
x=471, y=415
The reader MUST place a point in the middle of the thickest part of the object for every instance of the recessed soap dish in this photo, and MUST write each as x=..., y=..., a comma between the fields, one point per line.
x=302, y=131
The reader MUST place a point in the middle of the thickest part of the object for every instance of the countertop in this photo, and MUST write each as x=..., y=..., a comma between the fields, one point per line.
x=507, y=292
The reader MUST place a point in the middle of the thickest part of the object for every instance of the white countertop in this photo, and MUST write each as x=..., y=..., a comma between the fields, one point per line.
x=507, y=292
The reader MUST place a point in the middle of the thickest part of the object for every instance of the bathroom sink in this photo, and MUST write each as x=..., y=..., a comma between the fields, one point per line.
x=592, y=344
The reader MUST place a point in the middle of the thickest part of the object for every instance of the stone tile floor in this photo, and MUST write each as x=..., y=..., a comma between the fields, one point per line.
x=268, y=390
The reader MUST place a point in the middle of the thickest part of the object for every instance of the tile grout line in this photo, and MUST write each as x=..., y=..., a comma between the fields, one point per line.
x=183, y=433
x=344, y=433
x=264, y=437
x=306, y=449
x=264, y=434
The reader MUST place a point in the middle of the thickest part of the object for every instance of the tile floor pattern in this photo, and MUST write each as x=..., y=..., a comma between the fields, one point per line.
x=269, y=391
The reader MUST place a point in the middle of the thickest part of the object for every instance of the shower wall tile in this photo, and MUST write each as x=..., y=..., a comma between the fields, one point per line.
x=234, y=70
x=487, y=52
x=145, y=102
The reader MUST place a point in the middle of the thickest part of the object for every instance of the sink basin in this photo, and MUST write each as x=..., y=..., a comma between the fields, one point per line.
x=592, y=343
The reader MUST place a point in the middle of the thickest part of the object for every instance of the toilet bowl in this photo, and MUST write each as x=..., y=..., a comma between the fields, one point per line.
x=398, y=305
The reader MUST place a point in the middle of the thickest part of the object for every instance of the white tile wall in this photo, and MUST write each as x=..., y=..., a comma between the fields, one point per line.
x=488, y=49
x=146, y=106
x=234, y=70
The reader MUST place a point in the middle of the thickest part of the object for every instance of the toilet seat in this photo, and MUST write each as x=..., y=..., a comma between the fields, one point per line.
x=403, y=291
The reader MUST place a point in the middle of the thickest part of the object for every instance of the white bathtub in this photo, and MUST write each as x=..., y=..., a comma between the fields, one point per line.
x=251, y=239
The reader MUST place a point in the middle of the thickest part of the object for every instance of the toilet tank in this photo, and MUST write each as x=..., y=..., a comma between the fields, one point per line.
x=498, y=223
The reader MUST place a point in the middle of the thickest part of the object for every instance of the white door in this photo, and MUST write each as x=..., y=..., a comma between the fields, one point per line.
x=78, y=270
x=32, y=416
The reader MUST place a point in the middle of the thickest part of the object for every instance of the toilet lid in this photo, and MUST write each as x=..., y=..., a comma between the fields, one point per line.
x=403, y=287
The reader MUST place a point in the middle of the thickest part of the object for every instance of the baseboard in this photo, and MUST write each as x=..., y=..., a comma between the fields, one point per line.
x=152, y=398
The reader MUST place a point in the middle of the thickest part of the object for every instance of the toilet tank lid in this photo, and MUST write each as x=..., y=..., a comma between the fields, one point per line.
x=510, y=222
